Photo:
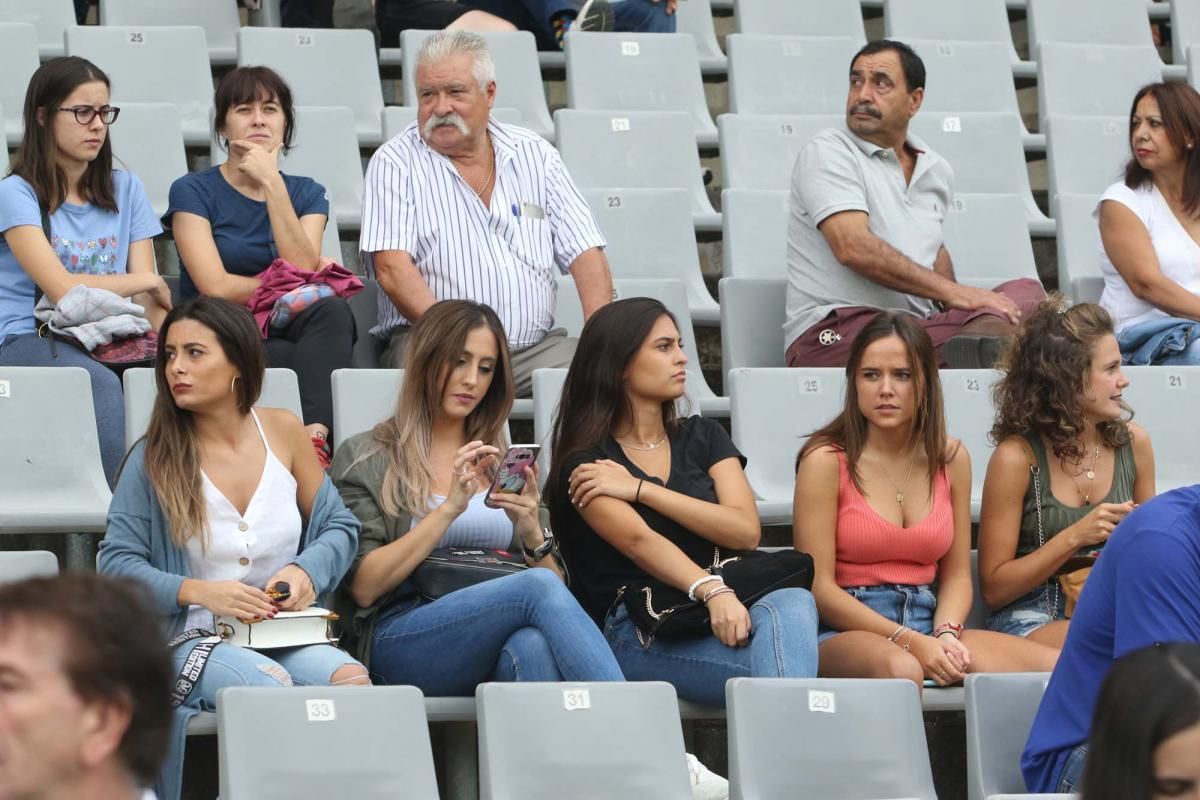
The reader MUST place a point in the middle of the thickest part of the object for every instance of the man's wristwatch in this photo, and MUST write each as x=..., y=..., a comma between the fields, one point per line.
x=543, y=549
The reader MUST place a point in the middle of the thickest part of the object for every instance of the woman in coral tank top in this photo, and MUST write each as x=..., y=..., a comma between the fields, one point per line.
x=883, y=504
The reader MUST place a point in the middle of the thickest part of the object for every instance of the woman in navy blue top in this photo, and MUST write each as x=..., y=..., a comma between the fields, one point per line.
x=231, y=221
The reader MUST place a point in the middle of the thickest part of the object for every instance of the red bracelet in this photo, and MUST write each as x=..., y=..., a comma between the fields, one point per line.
x=948, y=627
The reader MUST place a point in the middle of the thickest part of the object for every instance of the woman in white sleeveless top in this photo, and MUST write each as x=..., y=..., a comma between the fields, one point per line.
x=220, y=502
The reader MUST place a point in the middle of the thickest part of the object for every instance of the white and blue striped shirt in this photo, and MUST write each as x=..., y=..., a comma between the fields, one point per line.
x=501, y=255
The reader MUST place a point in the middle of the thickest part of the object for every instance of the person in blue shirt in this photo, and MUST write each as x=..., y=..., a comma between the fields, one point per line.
x=232, y=220
x=1144, y=589
x=101, y=225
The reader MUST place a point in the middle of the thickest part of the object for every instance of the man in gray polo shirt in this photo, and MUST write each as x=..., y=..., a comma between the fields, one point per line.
x=865, y=230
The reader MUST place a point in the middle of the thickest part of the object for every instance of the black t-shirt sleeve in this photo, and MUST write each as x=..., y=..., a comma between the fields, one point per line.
x=716, y=442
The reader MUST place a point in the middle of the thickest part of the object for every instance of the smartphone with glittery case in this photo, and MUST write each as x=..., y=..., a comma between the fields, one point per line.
x=510, y=476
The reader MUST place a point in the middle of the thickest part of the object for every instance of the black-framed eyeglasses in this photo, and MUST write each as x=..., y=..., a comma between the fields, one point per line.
x=85, y=114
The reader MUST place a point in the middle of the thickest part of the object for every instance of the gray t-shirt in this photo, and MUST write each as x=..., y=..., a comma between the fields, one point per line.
x=837, y=171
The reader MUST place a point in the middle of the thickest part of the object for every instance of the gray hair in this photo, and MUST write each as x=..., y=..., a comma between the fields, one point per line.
x=444, y=44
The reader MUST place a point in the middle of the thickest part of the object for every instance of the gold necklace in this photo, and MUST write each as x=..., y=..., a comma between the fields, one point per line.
x=1090, y=474
x=900, y=489
x=653, y=446
x=479, y=192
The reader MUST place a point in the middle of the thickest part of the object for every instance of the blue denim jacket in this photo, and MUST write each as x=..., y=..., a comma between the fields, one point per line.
x=138, y=545
x=1151, y=342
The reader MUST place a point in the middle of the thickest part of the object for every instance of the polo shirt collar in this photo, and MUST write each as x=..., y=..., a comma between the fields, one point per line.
x=870, y=149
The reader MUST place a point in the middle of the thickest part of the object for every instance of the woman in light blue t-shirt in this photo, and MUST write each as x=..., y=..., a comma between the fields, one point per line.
x=101, y=226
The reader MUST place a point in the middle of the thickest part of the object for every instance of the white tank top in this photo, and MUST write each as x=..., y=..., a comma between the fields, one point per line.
x=252, y=547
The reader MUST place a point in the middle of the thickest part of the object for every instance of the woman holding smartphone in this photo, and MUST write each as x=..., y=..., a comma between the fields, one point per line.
x=417, y=482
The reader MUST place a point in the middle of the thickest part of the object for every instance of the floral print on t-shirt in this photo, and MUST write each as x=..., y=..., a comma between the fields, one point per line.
x=90, y=256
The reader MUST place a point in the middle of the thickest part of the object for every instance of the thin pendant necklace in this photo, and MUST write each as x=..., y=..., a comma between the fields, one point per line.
x=479, y=192
x=1090, y=474
x=900, y=489
x=651, y=446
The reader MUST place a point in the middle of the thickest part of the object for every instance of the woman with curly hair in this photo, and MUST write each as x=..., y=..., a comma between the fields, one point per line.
x=1068, y=466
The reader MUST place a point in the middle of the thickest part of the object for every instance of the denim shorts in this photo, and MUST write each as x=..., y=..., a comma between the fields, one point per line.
x=1026, y=614
x=910, y=606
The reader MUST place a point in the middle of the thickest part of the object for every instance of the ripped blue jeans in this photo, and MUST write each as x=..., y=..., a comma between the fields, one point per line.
x=230, y=665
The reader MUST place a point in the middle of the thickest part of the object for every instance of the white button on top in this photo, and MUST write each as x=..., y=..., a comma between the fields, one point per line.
x=244, y=561
x=243, y=526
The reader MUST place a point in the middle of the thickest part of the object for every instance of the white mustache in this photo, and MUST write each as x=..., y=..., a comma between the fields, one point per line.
x=444, y=119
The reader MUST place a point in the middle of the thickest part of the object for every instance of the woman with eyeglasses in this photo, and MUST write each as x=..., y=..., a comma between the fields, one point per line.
x=68, y=218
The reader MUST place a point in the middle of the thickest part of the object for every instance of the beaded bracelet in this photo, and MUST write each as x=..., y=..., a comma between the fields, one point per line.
x=691, y=592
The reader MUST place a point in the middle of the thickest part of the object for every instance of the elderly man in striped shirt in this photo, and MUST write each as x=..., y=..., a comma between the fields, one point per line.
x=460, y=206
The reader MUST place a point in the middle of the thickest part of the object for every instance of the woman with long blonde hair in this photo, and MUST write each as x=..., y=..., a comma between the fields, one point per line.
x=221, y=502
x=417, y=482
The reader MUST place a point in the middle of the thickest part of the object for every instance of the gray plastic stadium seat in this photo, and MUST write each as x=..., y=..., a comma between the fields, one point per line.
x=967, y=395
x=758, y=151
x=988, y=239
x=219, y=20
x=801, y=18
x=547, y=389
x=789, y=74
x=17, y=565
x=1121, y=22
x=50, y=17
x=1000, y=712
x=147, y=139
x=970, y=76
x=650, y=235
x=635, y=150
x=578, y=754
x=752, y=317
x=51, y=478
x=1185, y=32
x=953, y=21
x=1086, y=155
x=1158, y=395
x=324, y=741
x=754, y=234
x=671, y=293
x=362, y=398
x=1193, y=75
x=638, y=72
x=331, y=243
x=397, y=118
x=365, y=308
x=862, y=739
x=695, y=17
x=280, y=390
x=1078, y=246
x=1092, y=80
x=977, y=616
x=153, y=65
x=773, y=412
x=323, y=68
x=518, y=76
x=325, y=149
x=18, y=62
x=986, y=153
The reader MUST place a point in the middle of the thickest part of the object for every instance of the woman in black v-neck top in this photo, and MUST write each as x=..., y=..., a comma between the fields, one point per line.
x=636, y=493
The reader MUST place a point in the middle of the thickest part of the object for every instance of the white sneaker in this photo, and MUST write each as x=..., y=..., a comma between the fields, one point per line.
x=706, y=784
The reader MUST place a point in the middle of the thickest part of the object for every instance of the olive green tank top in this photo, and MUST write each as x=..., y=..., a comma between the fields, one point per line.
x=1055, y=515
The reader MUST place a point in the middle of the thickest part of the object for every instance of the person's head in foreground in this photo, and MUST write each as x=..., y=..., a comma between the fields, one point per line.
x=1145, y=742
x=84, y=689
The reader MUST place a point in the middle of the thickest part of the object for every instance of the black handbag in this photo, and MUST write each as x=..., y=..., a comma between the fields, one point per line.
x=659, y=610
x=449, y=569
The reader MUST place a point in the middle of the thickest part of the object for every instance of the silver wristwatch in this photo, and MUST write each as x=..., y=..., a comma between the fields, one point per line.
x=543, y=549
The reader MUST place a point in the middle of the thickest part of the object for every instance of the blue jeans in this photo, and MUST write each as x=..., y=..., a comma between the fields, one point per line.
x=783, y=644
x=535, y=16
x=1138, y=333
x=524, y=627
x=1071, y=778
x=230, y=665
x=911, y=606
x=1029, y=612
x=31, y=350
